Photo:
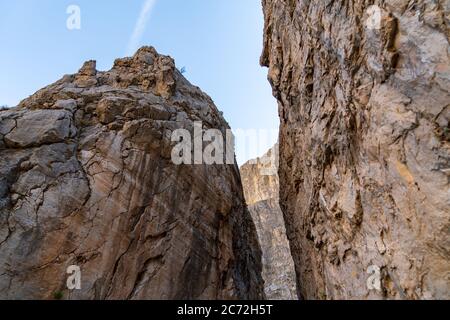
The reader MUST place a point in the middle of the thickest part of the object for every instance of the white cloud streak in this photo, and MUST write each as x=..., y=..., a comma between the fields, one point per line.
x=139, y=28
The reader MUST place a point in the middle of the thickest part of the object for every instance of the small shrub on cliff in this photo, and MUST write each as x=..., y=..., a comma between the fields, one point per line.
x=58, y=295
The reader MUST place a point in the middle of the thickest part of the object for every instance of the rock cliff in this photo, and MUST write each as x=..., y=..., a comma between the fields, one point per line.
x=364, y=102
x=86, y=179
x=261, y=190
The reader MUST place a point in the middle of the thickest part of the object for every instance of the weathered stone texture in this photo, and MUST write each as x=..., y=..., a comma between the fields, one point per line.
x=261, y=190
x=364, y=102
x=86, y=179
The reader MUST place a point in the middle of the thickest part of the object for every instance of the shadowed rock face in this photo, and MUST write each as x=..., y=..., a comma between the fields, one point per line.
x=364, y=144
x=86, y=179
x=261, y=189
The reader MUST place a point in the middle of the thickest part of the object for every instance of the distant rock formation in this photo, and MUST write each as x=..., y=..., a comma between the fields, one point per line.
x=261, y=190
x=364, y=102
x=86, y=179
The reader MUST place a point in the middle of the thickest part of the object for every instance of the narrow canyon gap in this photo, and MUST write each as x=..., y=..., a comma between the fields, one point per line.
x=261, y=191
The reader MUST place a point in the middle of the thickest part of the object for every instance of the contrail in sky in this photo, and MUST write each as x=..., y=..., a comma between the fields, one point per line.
x=139, y=29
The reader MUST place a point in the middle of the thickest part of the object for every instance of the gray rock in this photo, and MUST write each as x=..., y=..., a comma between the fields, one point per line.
x=38, y=127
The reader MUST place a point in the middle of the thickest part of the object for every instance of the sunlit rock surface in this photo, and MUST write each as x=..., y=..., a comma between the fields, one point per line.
x=364, y=104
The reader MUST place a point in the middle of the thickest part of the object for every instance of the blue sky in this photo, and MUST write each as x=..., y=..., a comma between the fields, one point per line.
x=218, y=41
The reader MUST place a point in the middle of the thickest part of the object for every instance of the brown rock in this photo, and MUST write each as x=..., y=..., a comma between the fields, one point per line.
x=364, y=168
x=86, y=179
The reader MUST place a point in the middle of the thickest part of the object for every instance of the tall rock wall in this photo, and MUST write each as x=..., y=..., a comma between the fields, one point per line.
x=364, y=102
x=261, y=190
x=86, y=179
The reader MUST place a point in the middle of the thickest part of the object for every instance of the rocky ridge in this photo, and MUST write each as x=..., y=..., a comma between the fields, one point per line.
x=86, y=179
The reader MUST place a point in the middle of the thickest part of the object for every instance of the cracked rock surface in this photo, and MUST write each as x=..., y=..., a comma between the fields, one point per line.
x=364, y=103
x=261, y=190
x=86, y=179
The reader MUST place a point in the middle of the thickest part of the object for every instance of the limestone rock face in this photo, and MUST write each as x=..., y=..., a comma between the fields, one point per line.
x=364, y=102
x=261, y=190
x=86, y=179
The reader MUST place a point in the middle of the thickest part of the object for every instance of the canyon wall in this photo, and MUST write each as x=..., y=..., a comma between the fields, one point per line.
x=261, y=190
x=364, y=101
x=86, y=180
